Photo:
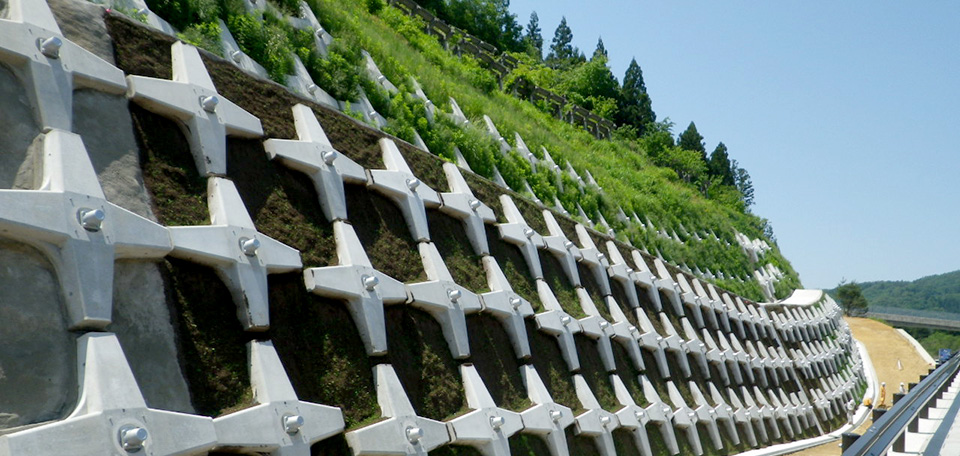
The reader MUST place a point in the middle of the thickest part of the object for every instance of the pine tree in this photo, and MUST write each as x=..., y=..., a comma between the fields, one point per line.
x=534, y=37
x=561, y=49
x=691, y=139
x=601, y=50
x=633, y=105
x=719, y=165
x=743, y=183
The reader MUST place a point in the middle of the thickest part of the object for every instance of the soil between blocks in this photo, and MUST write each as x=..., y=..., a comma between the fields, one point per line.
x=581, y=445
x=454, y=246
x=381, y=228
x=493, y=356
x=528, y=445
x=548, y=360
x=321, y=350
x=514, y=268
x=593, y=371
x=423, y=362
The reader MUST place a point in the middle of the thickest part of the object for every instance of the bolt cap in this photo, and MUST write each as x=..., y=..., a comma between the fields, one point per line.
x=475, y=204
x=413, y=183
x=414, y=434
x=50, y=47
x=236, y=56
x=496, y=422
x=91, y=219
x=528, y=232
x=292, y=424
x=515, y=302
x=454, y=295
x=329, y=156
x=249, y=246
x=555, y=415
x=209, y=103
x=132, y=438
x=370, y=282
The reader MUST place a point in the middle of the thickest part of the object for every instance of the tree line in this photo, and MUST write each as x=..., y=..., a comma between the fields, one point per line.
x=562, y=68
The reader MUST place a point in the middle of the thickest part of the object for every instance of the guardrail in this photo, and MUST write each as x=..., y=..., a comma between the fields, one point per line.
x=888, y=431
x=916, y=322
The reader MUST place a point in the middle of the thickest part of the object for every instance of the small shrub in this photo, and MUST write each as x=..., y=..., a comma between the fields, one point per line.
x=204, y=35
x=374, y=6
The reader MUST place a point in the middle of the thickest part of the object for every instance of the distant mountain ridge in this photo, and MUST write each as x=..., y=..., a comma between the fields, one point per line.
x=936, y=293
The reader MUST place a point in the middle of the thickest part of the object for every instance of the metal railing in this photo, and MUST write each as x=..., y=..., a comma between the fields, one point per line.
x=888, y=431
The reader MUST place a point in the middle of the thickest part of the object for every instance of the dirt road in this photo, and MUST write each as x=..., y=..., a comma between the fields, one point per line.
x=886, y=347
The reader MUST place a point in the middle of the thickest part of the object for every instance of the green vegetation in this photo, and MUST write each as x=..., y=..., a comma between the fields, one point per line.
x=933, y=340
x=850, y=297
x=643, y=169
x=936, y=293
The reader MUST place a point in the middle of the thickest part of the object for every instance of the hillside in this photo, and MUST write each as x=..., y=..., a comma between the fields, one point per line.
x=936, y=293
x=419, y=89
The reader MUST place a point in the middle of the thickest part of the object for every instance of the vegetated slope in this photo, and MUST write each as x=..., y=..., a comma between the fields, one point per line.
x=623, y=166
x=936, y=293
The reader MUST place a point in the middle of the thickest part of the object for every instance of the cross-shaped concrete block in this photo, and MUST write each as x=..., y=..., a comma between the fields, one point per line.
x=715, y=356
x=707, y=304
x=627, y=335
x=506, y=306
x=365, y=289
x=487, y=427
x=49, y=65
x=690, y=299
x=595, y=422
x=685, y=418
x=81, y=233
x=593, y=259
x=652, y=342
x=695, y=346
x=558, y=206
x=668, y=285
x=525, y=151
x=743, y=358
x=546, y=418
x=282, y=424
x=661, y=414
x=769, y=417
x=729, y=357
x=460, y=204
x=596, y=327
x=517, y=232
x=623, y=274
x=706, y=414
x=631, y=416
x=401, y=432
x=495, y=134
x=778, y=413
x=565, y=251
x=445, y=300
x=191, y=98
x=724, y=414
x=241, y=256
x=313, y=155
x=528, y=191
x=557, y=323
x=457, y=114
x=111, y=416
x=673, y=343
x=399, y=184
x=749, y=413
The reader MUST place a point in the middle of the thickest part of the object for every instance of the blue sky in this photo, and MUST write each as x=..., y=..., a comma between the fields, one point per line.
x=846, y=115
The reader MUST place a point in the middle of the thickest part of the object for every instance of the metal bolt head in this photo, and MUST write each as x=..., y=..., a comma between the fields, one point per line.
x=381, y=78
x=639, y=414
x=249, y=246
x=601, y=256
x=496, y=422
x=132, y=438
x=475, y=204
x=312, y=88
x=565, y=320
x=555, y=415
x=528, y=233
x=568, y=245
x=454, y=295
x=50, y=47
x=370, y=282
x=209, y=103
x=604, y=325
x=630, y=270
x=236, y=56
x=604, y=421
x=91, y=219
x=292, y=424
x=413, y=183
x=414, y=434
x=515, y=302
x=329, y=156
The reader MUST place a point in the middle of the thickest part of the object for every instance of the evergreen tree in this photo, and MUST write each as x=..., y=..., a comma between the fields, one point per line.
x=633, y=105
x=691, y=139
x=534, y=37
x=719, y=165
x=743, y=183
x=601, y=50
x=561, y=49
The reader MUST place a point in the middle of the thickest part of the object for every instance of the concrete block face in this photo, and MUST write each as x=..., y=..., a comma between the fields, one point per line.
x=91, y=362
x=38, y=355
